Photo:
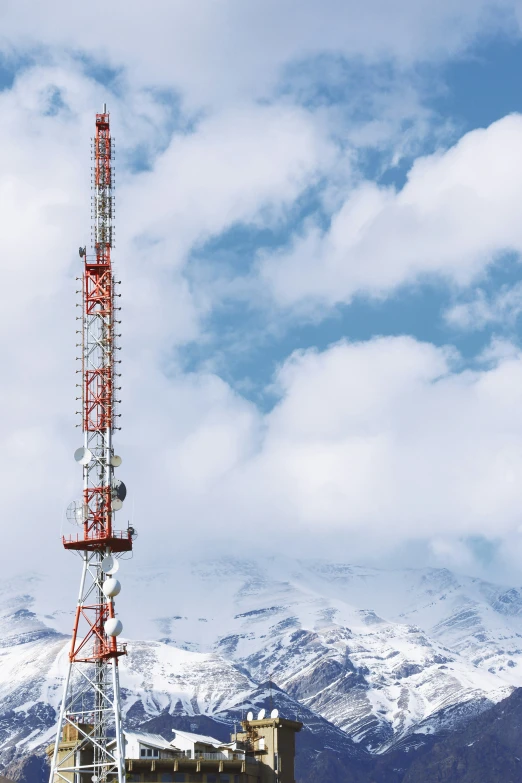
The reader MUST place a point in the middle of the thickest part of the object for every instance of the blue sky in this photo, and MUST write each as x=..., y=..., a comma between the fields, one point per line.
x=319, y=241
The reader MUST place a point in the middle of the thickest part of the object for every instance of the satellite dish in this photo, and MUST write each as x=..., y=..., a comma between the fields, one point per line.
x=250, y=716
x=119, y=490
x=115, y=461
x=109, y=565
x=83, y=456
x=116, y=504
x=75, y=512
x=274, y=714
x=261, y=715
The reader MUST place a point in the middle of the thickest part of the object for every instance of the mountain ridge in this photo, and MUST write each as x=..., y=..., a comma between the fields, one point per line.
x=377, y=661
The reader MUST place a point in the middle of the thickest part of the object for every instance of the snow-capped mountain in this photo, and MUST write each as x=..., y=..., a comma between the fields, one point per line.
x=378, y=654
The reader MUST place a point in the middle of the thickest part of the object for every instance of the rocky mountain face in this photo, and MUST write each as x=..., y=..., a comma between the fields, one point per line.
x=378, y=654
x=487, y=749
x=377, y=664
x=482, y=749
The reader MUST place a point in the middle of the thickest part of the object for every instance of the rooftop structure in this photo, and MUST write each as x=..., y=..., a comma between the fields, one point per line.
x=263, y=752
x=272, y=742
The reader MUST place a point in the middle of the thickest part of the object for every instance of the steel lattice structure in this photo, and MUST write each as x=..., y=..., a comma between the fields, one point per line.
x=89, y=740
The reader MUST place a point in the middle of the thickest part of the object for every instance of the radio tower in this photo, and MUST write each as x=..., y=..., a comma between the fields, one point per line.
x=89, y=742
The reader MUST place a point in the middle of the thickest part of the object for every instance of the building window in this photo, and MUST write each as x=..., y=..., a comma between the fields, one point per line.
x=151, y=777
x=179, y=777
x=155, y=752
x=149, y=752
x=143, y=752
x=211, y=778
x=133, y=777
x=166, y=777
x=224, y=778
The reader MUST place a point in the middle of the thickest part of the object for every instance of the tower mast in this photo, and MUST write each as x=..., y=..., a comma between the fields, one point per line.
x=89, y=740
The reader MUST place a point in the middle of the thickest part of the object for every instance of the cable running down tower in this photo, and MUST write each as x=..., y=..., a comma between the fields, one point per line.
x=89, y=742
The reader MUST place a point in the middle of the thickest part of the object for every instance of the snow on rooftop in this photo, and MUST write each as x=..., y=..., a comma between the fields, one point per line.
x=198, y=738
x=154, y=740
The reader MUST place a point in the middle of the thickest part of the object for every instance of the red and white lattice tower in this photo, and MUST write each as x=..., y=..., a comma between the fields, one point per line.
x=89, y=742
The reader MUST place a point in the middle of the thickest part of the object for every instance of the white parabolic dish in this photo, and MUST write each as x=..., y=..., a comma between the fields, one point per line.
x=109, y=565
x=83, y=456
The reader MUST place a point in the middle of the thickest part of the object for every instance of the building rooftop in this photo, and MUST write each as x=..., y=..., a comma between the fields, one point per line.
x=267, y=750
x=198, y=738
x=154, y=740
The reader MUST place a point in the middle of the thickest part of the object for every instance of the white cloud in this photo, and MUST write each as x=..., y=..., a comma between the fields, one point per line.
x=454, y=216
x=501, y=307
x=384, y=440
x=498, y=348
x=230, y=49
x=44, y=199
x=240, y=165
x=381, y=441
x=372, y=444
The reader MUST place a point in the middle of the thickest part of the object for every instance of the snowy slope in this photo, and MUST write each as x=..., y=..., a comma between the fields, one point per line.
x=157, y=679
x=380, y=654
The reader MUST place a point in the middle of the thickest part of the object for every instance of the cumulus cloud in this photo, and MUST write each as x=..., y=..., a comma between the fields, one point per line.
x=239, y=166
x=501, y=307
x=456, y=214
x=375, y=443
x=245, y=165
x=380, y=441
x=44, y=198
x=233, y=49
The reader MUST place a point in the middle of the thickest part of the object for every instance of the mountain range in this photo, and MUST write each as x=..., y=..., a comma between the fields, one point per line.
x=382, y=666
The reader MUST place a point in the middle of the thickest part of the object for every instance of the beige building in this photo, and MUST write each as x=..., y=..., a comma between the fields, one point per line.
x=272, y=742
x=263, y=752
x=72, y=750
